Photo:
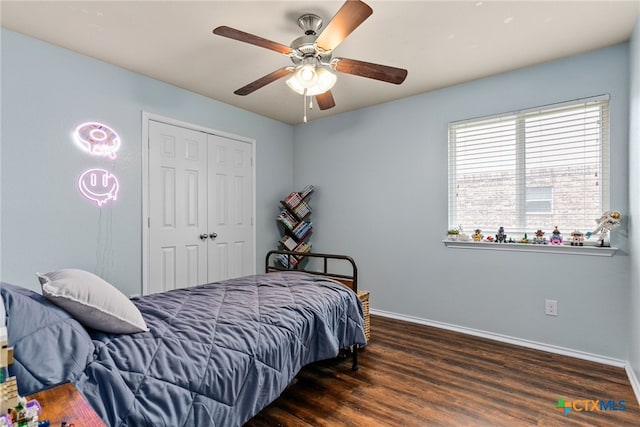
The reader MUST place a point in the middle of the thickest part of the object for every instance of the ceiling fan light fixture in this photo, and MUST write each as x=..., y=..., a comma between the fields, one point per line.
x=326, y=79
x=295, y=85
x=307, y=75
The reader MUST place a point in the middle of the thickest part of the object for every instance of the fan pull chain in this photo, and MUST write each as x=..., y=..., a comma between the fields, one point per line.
x=304, y=104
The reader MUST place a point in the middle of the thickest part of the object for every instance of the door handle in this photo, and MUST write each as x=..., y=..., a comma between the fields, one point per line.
x=204, y=236
x=213, y=235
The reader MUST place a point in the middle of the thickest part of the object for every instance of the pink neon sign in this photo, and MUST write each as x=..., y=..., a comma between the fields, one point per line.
x=97, y=139
x=98, y=185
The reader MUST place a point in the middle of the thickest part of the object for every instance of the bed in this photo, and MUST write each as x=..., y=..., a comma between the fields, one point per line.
x=214, y=355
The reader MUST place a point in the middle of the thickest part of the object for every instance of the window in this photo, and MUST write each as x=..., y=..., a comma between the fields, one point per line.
x=533, y=169
x=539, y=200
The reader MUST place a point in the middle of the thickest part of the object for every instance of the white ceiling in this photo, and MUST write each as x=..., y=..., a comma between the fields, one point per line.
x=440, y=43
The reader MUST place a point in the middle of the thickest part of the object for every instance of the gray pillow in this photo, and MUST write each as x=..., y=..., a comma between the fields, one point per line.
x=49, y=346
x=92, y=301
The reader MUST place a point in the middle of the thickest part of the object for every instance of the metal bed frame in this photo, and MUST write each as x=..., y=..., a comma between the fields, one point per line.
x=352, y=278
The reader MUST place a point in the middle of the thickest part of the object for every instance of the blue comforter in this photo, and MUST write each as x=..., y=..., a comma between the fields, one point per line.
x=217, y=354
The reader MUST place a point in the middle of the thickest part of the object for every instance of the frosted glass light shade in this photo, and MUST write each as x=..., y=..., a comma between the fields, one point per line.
x=325, y=80
x=295, y=86
x=307, y=76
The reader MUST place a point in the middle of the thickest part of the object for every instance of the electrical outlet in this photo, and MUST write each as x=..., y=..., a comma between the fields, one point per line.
x=551, y=307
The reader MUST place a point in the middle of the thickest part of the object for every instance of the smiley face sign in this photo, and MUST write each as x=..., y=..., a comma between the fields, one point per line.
x=98, y=185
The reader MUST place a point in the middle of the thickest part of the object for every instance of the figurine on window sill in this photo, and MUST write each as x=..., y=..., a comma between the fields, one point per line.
x=477, y=235
x=556, y=237
x=501, y=237
x=539, y=239
x=577, y=238
x=607, y=222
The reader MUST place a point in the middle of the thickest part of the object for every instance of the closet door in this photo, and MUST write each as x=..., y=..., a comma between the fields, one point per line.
x=200, y=208
x=230, y=208
x=178, y=170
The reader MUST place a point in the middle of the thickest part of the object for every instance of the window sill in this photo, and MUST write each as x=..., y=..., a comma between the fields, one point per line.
x=528, y=247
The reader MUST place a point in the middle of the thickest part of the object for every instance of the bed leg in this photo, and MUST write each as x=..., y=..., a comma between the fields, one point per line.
x=354, y=355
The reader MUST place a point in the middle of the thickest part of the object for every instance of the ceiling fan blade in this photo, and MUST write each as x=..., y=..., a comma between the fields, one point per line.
x=232, y=33
x=349, y=17
x=369, y=70
x=325, y=100
x=263, y=81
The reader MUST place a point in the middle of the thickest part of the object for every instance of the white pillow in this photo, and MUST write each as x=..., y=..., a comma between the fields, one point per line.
x=92, y=301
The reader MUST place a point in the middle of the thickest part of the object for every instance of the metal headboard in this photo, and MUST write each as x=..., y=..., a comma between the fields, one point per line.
x=353, y=277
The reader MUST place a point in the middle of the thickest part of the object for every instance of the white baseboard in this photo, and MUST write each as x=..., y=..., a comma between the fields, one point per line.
x=633, y=379
x=511, y=340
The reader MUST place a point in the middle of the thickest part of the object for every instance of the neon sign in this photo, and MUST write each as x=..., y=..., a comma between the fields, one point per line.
x=98, y=185
x=97, y=139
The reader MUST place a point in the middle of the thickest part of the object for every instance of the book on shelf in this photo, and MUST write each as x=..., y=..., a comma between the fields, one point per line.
x=288, y=220
x=292, y=261
x=306, y=234
x=303, y=247
x=289, y=217
x=288, y=261
x=307, y=191
x=302, y=209
x=293, y=200
x=289, y=243
x=301, y=229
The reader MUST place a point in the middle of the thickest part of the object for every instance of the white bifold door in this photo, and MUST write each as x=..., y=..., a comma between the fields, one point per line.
x=200, y=208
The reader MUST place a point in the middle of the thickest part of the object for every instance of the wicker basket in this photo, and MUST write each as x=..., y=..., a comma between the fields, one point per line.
x=364, y=300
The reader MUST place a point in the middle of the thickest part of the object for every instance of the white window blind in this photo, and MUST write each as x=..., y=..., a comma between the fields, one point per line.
x=530, y=170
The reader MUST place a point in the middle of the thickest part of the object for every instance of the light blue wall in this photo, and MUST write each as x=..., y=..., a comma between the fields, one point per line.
x=46, y=224
x=634, y=200
x=381, y=179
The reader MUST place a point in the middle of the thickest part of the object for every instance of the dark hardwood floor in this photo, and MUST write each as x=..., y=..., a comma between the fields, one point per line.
x=415, y=375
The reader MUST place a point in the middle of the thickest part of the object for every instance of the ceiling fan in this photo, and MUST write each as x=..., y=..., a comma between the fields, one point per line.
x=312, y=72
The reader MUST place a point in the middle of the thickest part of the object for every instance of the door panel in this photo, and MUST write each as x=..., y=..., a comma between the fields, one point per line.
x=230, y=208
x=177, y=205
x=220, y=200
x=167, y=279
x=221, y=262
x=168, y=201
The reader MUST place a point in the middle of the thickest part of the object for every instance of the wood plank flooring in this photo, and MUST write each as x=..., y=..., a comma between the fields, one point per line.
x=415, y=375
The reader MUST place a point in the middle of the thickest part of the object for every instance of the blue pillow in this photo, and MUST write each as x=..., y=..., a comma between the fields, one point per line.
x=49, y=346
